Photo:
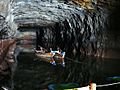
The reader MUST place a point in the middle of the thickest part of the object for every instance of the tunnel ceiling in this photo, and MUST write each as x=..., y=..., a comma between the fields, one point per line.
x=43, y=13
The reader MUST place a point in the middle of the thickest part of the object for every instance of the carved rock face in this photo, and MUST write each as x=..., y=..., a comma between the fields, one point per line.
x=66, y=26
x=5, y=41
x=6, y=50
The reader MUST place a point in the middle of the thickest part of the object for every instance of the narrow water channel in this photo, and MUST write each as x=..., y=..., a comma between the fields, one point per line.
x=34, y=74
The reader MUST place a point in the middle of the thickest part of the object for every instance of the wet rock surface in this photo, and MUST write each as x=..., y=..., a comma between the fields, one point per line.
x=5, y=74
x=71, y=27
x=6, y=53
x=66, y=26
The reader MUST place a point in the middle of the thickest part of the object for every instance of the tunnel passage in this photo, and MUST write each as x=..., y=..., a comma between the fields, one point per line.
x=30, y=38
x=26, y=39
x=45, y=38
x=69, y=27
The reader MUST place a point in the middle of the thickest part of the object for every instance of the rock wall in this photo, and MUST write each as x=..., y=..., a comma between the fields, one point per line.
x=112, y=44
x=67, y=26
x=4, y=7
x=7, y=33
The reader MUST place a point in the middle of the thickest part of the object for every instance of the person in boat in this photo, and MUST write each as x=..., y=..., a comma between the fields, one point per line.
x=54, y=52
x=59, y=52
x=62, y=53
x=42, y=51
x=63, y=56
x=52, y=61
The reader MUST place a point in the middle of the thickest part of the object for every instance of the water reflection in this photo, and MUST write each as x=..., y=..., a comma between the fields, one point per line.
x=36, y=75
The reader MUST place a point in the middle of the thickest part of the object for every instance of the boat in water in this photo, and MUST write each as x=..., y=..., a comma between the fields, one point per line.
x=113, y=78
x=53, y=57
x=64, y=86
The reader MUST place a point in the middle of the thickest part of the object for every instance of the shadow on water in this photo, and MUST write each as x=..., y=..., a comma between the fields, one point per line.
x=36, y=75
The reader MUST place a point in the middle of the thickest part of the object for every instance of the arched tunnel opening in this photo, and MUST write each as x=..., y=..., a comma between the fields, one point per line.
x=79, y=32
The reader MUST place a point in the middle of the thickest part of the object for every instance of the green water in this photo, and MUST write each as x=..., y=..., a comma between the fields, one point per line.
x=37, y=75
